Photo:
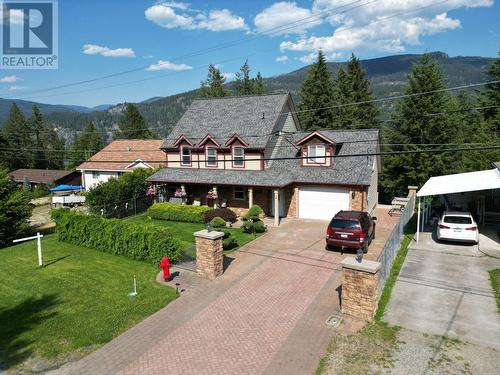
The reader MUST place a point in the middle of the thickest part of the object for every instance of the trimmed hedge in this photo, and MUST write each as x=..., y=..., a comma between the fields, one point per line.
x=136, y=241
x=252, y=222
x=218, y=222
x=225, y=213
x=178, y=212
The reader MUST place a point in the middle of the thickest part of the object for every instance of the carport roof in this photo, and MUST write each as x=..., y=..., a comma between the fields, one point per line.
x=461, y=182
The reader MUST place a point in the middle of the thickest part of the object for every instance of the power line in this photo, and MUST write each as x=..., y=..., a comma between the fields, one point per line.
x=276, y=29
x=149, y=78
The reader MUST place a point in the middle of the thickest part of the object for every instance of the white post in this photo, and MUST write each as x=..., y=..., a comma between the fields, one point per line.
x=39, y=246
x=250, y=197
x=418, y=220
x=215, y=200
x=276, y=207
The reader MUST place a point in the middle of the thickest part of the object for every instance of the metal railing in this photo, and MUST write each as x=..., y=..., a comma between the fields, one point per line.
x=393, y=243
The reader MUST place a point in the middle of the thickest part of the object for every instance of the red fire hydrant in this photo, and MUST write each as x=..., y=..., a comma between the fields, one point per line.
x=165, y=266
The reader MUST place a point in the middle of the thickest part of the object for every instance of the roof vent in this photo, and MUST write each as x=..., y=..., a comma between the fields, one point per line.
x=129, y=148
x=263, y=116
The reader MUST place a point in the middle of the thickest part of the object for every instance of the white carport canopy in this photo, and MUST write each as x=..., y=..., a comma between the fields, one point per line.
x=458, y=183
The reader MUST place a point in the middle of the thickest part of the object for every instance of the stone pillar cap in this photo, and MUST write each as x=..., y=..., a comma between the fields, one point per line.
x=365, y=265
x=212, y=235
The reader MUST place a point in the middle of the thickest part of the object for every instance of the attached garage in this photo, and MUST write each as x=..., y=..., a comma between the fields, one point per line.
x=322, y=203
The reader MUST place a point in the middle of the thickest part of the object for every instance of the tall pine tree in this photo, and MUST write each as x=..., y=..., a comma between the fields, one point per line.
x=16, y=134
x=132, y=125
x=37, y=129
x=415, y=123
x=259, y=87
x=244, y=84
x=352, y=86
x=85, y=145
x=316, y=94
x=213, y=86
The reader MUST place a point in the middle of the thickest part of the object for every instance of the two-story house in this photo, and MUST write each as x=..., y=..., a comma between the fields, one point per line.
x=251, y=150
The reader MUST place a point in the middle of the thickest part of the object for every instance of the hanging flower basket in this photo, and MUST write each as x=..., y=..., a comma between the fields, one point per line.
x=212, y=194
x=151, y=192
x=179, y=193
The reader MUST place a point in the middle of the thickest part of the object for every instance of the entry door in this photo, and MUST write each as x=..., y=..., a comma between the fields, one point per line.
x=281, y=204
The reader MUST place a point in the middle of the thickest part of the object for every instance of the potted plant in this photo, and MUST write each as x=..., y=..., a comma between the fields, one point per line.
x=179, y=193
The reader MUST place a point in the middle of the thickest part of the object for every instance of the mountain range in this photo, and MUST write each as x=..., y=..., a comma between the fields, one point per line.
x=387, y=75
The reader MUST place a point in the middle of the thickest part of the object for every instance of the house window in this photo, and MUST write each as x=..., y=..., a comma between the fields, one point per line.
x=238, y=157
x=239, y=194
x=317, y=154
x=211, y=157
x=96, y=174
x=185, y=156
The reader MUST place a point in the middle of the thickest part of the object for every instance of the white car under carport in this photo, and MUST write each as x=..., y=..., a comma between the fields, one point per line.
x=457, y=226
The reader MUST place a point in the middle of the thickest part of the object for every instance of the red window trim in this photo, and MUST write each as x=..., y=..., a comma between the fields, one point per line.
x=216, y=165
x=190, y=157
x=232, y=157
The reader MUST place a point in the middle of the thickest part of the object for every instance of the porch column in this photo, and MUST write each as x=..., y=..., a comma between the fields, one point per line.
x=250, y=197
x=215, y=200
x=276, y=207
x=183, y=188
x=418, y=220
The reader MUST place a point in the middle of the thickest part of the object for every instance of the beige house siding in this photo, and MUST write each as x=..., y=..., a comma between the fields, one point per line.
x=286, y=123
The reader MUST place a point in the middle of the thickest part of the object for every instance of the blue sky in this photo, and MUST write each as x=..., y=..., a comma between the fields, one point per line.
x=166, y=42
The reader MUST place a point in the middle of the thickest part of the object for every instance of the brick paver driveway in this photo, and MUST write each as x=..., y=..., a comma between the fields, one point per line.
x=266, y=314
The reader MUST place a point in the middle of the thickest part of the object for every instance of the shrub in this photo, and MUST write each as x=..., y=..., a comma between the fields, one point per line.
x=136, y=241
x=229, y=243
x=225, y=213
x=253, y=213
x=252, y=222
x=178, y=212
x=217, y=222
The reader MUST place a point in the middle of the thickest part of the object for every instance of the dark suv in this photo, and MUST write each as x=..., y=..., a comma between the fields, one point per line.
x=351, y=229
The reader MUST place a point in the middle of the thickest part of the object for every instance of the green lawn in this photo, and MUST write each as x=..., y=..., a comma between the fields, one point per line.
x=184, y=232
x=495, y=284
x=79, y=300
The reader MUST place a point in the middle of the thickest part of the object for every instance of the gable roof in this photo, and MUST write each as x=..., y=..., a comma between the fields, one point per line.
x=124, y=153
x=345, y=170
x=38, y=176
x=251, y=117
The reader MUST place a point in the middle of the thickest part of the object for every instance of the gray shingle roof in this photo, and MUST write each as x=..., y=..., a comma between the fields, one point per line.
x=223, y=117
x=344, y=171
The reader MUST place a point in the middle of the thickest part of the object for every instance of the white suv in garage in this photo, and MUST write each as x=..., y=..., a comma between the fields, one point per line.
x=457, y=226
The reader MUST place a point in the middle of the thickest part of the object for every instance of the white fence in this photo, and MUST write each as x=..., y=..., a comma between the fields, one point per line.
x=388, y=253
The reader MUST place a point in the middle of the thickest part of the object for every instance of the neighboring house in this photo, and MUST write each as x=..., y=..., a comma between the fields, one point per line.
x=46, y=177
x=247, y=149
x=119, y=157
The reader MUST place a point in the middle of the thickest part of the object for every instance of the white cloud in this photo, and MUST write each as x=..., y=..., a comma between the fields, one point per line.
x=285, y=18
x=10, y=79
x=171, y=15
x=93, y=49
x=382, y=26
x=167, y=65
x=282, y=59
x=229, y=76
x=16, y=88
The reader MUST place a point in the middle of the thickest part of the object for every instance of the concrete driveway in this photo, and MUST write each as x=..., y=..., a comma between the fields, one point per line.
x=444, y=289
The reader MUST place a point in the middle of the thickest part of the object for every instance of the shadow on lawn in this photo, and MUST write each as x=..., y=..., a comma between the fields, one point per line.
x=15, y=321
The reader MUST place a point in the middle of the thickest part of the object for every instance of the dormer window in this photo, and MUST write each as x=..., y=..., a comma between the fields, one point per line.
x=238, y=157
x=185, y=156
x=211, y=156
x=316, y=154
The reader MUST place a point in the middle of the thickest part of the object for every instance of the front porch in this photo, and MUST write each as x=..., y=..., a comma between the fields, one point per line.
x=236, y=198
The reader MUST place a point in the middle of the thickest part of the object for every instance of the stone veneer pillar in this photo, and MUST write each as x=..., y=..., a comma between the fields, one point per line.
x=359, y=288
x=209, y=256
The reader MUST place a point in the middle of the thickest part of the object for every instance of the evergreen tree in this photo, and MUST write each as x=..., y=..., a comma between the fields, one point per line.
x=244, y=84
x=316, y=94
x=491, y=95
x=37, y=129
x=132, y=125
x=54, y=148
x=16, y=134
x=85, y=145
x=213, y=86
x=259, y=87
x=416, y=124
x=15, y=210
x=353, y=87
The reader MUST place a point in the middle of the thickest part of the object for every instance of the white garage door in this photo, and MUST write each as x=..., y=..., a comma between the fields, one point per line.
x=322, y=202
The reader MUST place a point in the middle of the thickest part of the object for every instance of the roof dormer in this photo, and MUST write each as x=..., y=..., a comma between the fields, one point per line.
x=208, y=138
x=316, y=150
x=182, y=138
x=236, y=138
